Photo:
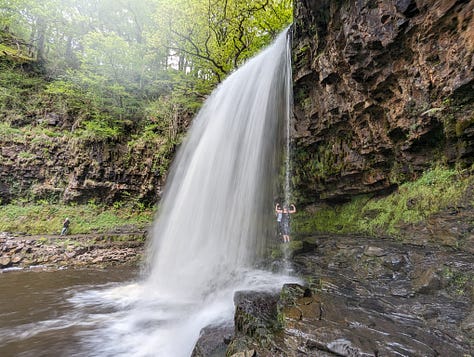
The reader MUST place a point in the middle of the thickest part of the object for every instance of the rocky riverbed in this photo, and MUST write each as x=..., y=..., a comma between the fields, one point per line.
x=362, y=297
x=75, y=251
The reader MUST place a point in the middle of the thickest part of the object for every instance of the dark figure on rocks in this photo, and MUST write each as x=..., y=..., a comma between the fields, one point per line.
x=65, y=229
x=283, y=219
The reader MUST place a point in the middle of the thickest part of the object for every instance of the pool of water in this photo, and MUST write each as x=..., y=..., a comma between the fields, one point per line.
x=41, y=313
x=110, y=313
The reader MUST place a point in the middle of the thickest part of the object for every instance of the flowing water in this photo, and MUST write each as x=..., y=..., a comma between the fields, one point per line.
x=214, y=224
x=45, y=313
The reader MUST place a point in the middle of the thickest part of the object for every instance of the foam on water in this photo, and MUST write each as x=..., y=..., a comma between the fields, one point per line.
x=215, y=220
x=150, y=324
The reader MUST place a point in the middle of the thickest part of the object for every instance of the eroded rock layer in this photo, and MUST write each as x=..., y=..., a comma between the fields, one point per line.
x=363, y=297
x=383, y=89
x=70, y=170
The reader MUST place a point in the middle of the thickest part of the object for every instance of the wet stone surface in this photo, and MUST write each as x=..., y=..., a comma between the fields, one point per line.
x=368, y=298
x=75, y=251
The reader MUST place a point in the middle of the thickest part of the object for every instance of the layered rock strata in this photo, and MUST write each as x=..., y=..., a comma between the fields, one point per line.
x=382, y=90
x=68, y=169
x=364, y=297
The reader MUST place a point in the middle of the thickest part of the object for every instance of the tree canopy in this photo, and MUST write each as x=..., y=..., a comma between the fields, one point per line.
x=141, y=64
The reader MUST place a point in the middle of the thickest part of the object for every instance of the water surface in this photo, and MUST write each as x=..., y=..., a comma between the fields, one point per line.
x=39, y=311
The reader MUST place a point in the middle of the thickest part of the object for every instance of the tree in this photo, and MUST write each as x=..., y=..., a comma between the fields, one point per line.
x=212, y=37
x=124, y=57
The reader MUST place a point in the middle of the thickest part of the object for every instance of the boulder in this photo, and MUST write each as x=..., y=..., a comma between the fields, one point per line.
x=5, y=261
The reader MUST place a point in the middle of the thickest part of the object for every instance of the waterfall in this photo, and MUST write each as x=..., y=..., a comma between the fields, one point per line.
x=287, y=121
x=217, y=211
x=214, y=222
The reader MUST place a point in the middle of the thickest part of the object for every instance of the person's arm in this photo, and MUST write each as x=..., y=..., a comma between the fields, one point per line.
x=277, y=208
x=293, y=209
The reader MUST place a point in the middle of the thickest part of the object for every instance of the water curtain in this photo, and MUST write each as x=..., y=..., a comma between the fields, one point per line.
x=216, y=215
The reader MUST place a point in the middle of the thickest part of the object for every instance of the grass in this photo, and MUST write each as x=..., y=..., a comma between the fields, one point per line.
x=46, y=218
x=437, y=189
x=434, y=191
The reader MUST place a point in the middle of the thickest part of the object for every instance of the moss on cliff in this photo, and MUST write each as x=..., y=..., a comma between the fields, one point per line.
x=436, y=190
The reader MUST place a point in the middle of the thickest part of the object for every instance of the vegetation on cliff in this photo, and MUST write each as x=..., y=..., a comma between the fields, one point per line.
x=109, y=81
x=436, y=190
x=46, y=218
x=378, y=100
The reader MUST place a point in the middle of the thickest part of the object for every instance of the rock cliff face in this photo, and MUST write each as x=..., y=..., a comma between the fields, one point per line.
x=37, y=166
x=382, y=90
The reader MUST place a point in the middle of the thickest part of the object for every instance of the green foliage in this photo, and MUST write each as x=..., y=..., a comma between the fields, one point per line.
x=222, y=34
x=99, y=130
x=435, y=190
x=46, y=218
x=19, y=92
x=108, y=60
x=458, y=282
x=9, y=133
x=129, y=71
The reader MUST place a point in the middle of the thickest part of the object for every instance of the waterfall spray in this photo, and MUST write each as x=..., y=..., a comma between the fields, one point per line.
x=288, y=116
x=215, y=218
x=216, y=214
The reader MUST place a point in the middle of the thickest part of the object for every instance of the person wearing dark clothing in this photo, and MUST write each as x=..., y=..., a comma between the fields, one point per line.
x=283, y=219
x=65, y=227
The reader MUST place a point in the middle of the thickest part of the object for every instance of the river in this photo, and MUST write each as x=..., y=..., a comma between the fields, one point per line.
x=110, y=312
x=47, y=313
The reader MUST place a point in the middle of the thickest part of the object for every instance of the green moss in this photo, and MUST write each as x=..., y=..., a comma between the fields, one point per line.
x=414, y=201
x=13, y=54
x=458, y=282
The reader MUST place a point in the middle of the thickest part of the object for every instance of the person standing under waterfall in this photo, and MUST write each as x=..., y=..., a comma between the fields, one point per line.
x=283, y=219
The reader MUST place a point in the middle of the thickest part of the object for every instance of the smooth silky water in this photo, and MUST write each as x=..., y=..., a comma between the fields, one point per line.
x=213, y=227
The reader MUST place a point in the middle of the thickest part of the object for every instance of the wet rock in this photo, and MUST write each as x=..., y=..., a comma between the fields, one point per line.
x=468, y=324
x=213, y=341
x=412, y=301
x=246, y=353
x=5, y=261
x=255, y=321
x=468, y=244
x=427, y=281
x=255, y=313
x=374, y=252
x=17, y=258
x=395, y=262
x=401, y=291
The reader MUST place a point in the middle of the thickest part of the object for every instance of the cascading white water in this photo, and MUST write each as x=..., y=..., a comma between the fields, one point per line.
x=288, y=116
x=216, y=212
x=214, y=221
